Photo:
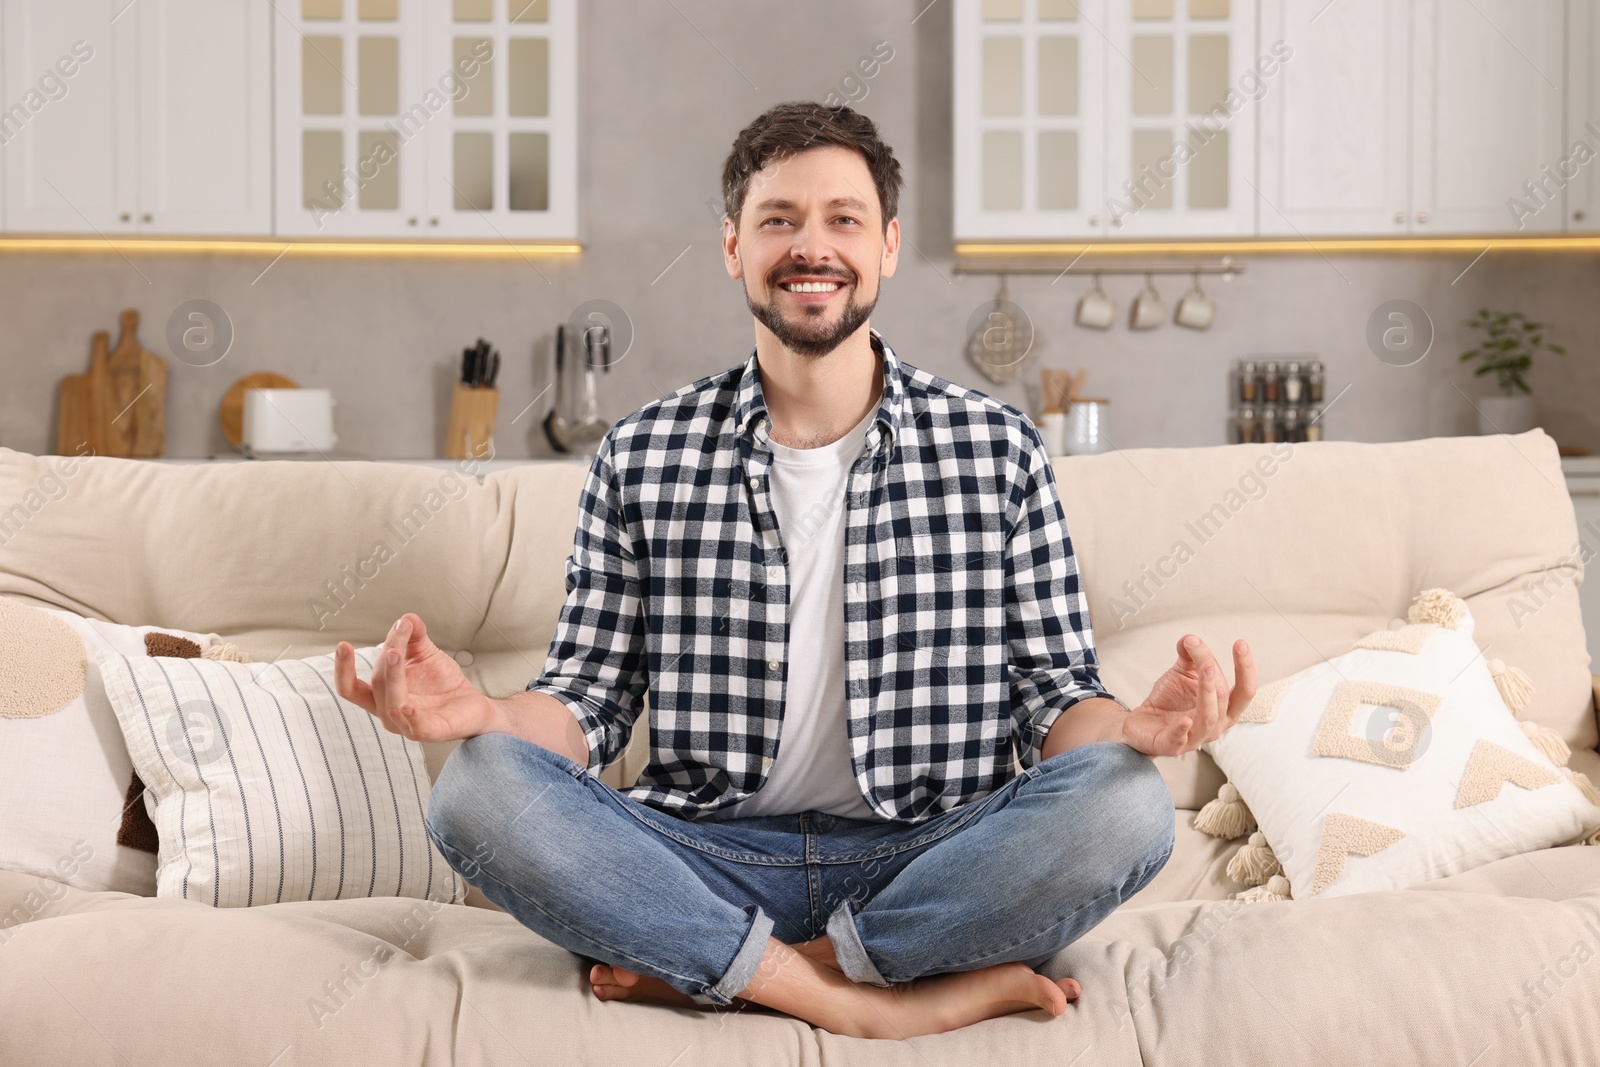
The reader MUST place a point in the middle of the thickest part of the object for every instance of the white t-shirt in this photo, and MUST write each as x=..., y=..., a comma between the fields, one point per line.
x=812, y=770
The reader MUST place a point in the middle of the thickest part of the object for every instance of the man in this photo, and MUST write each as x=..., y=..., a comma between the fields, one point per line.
x=848, y=588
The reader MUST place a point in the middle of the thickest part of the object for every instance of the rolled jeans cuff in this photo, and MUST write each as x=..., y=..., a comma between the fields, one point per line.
x=745, y=962
x=848, y=949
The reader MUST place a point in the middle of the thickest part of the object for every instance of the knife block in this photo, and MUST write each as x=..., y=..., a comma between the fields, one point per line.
x=470, y=434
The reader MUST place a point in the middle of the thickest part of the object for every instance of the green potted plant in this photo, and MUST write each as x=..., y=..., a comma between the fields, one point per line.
x=1510, y=342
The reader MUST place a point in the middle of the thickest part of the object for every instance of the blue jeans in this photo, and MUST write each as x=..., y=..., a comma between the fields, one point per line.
x=1016, y=875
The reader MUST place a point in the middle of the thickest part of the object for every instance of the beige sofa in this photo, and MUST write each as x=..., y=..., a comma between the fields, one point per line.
x=1302, y=555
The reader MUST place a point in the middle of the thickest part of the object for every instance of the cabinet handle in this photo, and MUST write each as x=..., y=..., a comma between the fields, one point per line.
x=126, y=217
x=1422, y=216
x=433, y=222
x=1094, y=220
x=411, y=222
x=1577, y=216
x=147, y=217
x=1399, y=216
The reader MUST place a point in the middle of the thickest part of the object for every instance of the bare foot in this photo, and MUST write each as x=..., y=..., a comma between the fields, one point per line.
x=609, y=982
x=821, y=950
x=942, y=1002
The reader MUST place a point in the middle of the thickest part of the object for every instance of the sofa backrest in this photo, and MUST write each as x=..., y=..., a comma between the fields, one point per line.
x=1300, y=549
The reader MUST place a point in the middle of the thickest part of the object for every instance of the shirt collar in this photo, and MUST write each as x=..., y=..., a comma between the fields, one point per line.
x=750, y=407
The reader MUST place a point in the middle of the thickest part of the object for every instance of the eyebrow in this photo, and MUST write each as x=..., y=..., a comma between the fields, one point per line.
x=838, y=201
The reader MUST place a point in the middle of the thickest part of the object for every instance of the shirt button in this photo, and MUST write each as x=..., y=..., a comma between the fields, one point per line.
x=774, y=665
x=774, y=574
x=766, y=761
x=755, y=483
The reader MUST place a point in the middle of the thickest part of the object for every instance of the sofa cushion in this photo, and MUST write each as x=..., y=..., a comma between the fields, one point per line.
x=270, y=787
x=1493, y=959
x=1399, y=762
x=64, y=771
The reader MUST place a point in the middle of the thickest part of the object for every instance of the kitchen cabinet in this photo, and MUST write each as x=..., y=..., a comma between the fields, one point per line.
x=1411, y=118
x=1579, y=165
x=399, y=118
x=137, y=119
x=1106, y=118
x=1030, y=118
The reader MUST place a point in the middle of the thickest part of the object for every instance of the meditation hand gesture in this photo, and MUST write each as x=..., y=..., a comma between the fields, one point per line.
x=1191, y=703
x=417, y=690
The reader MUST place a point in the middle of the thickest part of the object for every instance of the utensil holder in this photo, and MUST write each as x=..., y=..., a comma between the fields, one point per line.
x=470, y=434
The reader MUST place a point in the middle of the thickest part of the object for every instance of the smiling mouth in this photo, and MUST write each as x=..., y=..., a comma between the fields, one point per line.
x=811, y=288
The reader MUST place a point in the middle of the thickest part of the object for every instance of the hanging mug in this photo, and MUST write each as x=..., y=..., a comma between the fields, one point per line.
x=1096, y=310
x=1148, y=310
x=1195, y=309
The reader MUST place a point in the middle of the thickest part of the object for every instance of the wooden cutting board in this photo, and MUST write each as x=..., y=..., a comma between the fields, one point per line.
x=119, y=407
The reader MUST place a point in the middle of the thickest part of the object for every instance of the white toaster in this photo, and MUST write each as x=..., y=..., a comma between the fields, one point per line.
x=288, y=420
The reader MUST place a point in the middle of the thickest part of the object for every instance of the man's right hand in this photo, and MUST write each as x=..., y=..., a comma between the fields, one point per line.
x=417, y=690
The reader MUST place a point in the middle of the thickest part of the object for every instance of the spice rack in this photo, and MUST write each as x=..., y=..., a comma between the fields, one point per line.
x=1276, y=398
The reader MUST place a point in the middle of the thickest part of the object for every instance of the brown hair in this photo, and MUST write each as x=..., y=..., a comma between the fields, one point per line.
x=789, y=128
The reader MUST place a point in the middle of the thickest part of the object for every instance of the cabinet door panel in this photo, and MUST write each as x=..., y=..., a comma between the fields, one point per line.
x=502, y=155
x=353, y=101
x=1335, y=135
x=205, y=106
x=68, y=117
x=1581, y=168
x=1183, y=84
x=1030, y=119
x=1488, y=99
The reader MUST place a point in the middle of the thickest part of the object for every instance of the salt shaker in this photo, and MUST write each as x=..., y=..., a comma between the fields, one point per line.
x=1269, y=382
x=1247, y=381
x=1292, y=383
x=1247, y=424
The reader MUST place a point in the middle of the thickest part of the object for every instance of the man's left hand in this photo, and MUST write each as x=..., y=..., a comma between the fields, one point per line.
x=1191, y=704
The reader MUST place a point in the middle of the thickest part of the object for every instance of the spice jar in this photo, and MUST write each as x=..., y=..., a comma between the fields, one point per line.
x=1314, y=427
x=1247, y=381
x=1247, y=424
x=1270, y=384
x=1292, y=383
x=1314, y=382
x=1269, y=431
x=1291, y=424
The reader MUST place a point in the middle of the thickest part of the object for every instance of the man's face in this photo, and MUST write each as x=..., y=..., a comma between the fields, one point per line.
x=812, y=222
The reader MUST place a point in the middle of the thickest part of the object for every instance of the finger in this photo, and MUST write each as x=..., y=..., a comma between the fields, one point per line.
x=395, y=655
x=1244, y=681
x=1177, y=737
x=345, y=682
x=1206, y=702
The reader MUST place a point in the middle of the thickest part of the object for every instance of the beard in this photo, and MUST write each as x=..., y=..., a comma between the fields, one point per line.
x=811, y=335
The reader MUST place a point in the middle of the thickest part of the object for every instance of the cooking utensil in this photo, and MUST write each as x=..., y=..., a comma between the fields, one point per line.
x=584, y=426
x=1001, y=341
x=119, y=407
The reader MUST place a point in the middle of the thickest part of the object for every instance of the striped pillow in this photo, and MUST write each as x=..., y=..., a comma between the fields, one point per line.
x=268, y=787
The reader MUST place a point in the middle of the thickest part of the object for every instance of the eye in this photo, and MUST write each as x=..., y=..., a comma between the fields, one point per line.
x=847, y=218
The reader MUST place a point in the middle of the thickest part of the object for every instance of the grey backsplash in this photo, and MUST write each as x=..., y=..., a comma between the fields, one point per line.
x=659, y=108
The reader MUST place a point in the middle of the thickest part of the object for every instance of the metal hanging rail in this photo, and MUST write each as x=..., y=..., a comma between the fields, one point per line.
x=1226, y=267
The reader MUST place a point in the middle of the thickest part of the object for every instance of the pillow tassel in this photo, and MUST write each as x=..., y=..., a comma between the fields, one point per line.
x=1585, y=786
x=228, y=652
x=1516, y=688
x=1225, y=816
x=1439, y=606
x=1255, y=862
x=1548, y=742
x=1276, y=888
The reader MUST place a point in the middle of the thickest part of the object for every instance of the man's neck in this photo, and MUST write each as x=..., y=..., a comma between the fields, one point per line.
x=814, y=401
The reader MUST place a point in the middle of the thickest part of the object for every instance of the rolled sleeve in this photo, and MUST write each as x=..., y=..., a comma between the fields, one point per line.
x=1050, y=641
x=596, y=664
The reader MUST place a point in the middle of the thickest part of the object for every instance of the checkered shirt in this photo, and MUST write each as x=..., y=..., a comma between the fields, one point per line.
x=966, y=625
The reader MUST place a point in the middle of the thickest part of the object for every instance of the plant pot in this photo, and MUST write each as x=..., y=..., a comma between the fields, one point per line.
x=1507, y=414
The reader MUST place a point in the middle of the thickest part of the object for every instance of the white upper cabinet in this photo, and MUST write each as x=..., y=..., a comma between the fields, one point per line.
x=1336, y=124
x=1411, y=117
x=151, y=118
x=205, y=111
x=453, y=118
x=68, y=118
x=1579, y=166
x=1183, y=81
x=1488, y=105
x=1030, y=118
